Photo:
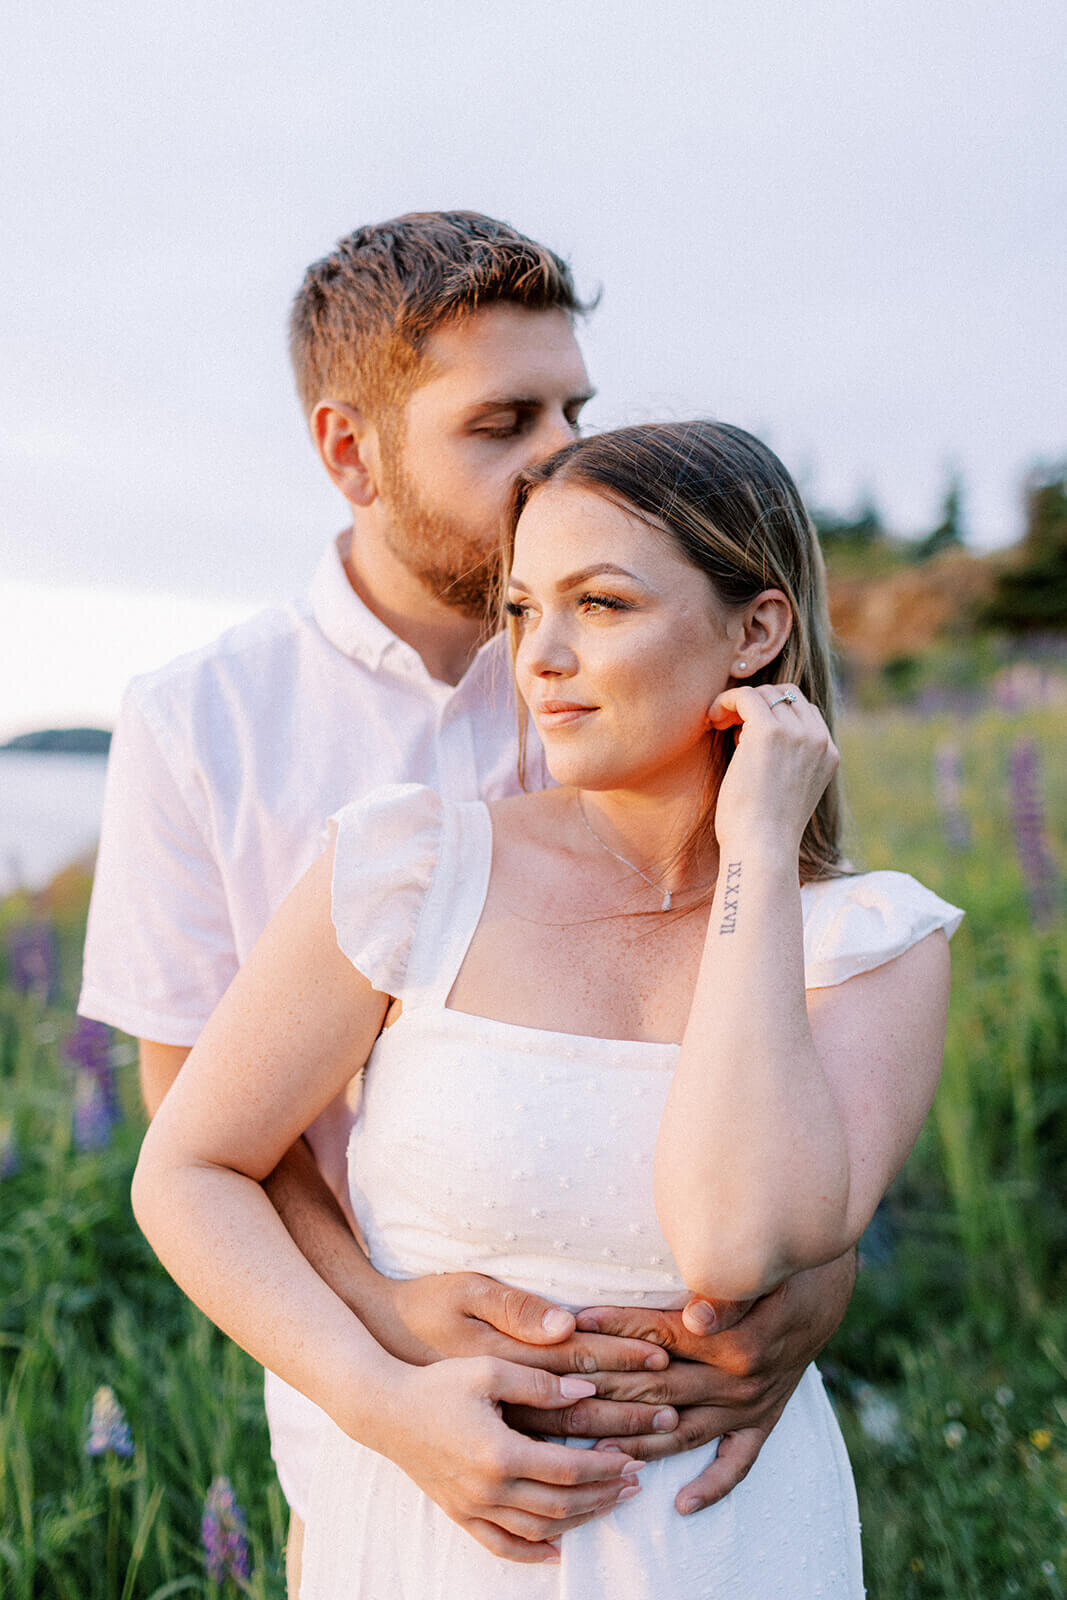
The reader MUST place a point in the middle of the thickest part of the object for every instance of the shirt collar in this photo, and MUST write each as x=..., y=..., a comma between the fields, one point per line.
x=341, y=615
x=351, y=627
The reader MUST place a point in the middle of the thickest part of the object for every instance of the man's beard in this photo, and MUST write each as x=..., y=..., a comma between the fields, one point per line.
x=437, y=549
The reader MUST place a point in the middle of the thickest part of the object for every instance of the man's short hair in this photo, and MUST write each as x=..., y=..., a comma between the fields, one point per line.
x=362, y=315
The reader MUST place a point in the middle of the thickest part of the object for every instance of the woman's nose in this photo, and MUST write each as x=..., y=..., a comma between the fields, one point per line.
x=546, y=652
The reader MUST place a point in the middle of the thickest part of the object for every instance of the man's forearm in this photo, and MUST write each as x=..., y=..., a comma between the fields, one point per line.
x=318, y=1226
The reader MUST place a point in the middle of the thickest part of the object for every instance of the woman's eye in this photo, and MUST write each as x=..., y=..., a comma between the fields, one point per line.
x=601, y=602
x=516, y=609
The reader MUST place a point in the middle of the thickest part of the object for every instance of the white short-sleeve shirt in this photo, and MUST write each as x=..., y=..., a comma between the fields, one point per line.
x=224, y=767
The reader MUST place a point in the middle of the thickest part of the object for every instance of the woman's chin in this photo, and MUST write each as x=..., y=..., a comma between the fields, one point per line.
x=571, y=773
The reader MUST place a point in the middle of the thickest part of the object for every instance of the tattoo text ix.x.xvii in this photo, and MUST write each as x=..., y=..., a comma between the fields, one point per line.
x=731, y=897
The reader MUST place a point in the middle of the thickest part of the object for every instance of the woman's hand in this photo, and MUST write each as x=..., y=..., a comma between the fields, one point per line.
x=514, y=1495
x=784, y=759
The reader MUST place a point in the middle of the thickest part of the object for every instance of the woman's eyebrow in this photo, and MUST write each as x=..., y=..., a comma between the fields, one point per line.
x=583, y=575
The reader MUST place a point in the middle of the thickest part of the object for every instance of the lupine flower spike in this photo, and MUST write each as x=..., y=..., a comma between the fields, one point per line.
x=89, y=1049
x=224, y=1534
x=91, y=1119
x=96, y=1101
x=108, y=1429
x=34, y=959
x=1028, y=819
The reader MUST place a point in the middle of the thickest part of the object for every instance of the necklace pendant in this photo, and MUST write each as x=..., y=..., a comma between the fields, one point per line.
x=666, y=906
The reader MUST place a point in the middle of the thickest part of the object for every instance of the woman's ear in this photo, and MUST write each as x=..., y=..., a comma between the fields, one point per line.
x=766, y=624
x=348, y=448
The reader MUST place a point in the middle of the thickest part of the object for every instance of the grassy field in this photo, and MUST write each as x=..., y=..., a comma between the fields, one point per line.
x=950, y=1374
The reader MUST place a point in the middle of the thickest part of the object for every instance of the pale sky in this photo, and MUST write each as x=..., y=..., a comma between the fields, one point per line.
x=840, y=225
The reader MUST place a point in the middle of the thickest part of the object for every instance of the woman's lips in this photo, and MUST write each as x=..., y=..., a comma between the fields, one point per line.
x=557, y=713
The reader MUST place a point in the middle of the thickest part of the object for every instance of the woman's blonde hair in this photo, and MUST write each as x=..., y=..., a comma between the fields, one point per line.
x=733, y=511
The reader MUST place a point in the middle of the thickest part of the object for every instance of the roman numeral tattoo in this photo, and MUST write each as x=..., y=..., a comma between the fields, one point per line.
x=731, y=898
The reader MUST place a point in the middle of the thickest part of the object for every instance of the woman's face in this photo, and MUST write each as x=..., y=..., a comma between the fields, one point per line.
x=622, y=643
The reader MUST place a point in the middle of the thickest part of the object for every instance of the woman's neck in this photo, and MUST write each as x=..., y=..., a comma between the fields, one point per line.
x=648, y=831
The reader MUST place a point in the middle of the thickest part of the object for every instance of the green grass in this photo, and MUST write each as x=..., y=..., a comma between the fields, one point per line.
x=969, y=1495
x=956, y=1339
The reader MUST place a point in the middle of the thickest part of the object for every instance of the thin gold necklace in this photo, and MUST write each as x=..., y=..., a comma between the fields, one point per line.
x=667, y=893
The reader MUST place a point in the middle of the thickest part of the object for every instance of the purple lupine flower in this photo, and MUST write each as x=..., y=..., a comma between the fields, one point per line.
x=1028, y=823
x=88, y=1048
x=108, y=1429
x=89, y=1045
x=224, y=1534
x=9, y=1151
x=948, y=796
x=91, y=1117
x=33, y=957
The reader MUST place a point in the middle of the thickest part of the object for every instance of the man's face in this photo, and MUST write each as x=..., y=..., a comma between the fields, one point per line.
x=506, y=389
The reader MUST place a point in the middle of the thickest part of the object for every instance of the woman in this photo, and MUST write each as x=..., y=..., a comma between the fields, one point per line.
x=634, y=1035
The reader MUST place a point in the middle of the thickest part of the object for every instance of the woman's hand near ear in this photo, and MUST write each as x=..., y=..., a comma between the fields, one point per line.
x=784, y=760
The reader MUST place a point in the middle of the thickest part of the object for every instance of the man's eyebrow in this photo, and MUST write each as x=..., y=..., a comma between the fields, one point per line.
x=528, y=402
x=583, y=575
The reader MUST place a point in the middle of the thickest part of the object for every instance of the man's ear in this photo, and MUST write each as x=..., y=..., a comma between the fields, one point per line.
x=766, y=623
x=348, y=448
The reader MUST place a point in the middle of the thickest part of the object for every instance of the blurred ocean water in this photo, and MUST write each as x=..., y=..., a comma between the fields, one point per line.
x=50, y=808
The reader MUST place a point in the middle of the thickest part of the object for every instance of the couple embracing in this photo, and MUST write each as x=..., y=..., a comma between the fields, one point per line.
x=524, y=1132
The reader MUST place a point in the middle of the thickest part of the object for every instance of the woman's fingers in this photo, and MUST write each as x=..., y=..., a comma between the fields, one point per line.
x=743, y=702
x=499, y=1543
x=527, y=1386
x=455, y=1445
x=563, y=1505
x=561, y=1465
x=540, y=1512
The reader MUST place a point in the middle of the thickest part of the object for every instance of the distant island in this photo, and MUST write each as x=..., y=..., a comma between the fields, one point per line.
x=61, y=741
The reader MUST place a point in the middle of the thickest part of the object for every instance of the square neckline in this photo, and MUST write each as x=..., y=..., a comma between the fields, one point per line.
x=461, y=883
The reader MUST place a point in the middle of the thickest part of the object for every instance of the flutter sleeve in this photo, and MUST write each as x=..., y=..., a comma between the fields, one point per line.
x=852, y=925
x=387, y=846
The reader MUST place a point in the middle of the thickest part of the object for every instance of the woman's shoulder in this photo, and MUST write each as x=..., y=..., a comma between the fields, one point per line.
x=386, y=849
x=858, y=921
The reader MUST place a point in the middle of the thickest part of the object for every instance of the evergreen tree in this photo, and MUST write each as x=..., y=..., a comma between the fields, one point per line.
x=948, y=535
x=1031, y=596
x=865, y=527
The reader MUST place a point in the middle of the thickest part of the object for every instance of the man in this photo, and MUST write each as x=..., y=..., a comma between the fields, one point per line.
x=435, y=357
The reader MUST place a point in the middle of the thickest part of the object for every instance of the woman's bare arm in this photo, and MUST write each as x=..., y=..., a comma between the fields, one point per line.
x=788, y=1115
x=296, y=1024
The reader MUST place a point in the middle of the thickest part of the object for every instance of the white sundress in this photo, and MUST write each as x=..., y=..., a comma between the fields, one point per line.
x=527, y=1154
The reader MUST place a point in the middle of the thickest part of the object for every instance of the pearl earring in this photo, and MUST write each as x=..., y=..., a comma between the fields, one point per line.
x=742, y=666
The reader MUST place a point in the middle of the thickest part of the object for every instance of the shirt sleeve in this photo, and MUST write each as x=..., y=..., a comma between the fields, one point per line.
x=854, y=924
x=386, y=852
x=160, y=948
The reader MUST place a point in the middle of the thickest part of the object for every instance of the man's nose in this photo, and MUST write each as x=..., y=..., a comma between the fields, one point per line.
x=555, y=433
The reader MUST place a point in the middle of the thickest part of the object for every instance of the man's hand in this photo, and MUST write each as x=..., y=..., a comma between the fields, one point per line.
x=731, y=1383
x=421, y=1320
